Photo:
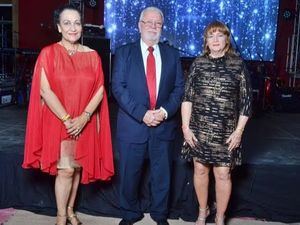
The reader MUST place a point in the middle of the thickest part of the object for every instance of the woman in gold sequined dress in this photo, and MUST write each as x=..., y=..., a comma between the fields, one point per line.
x=215, y=110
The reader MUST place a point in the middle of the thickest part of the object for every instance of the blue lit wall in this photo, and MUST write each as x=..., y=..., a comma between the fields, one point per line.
x=253, y=23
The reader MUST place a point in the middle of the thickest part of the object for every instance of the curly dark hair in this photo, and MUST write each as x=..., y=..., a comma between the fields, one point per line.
x=58, y=11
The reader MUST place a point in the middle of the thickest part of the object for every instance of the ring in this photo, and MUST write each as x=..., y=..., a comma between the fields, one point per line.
x=77, y=130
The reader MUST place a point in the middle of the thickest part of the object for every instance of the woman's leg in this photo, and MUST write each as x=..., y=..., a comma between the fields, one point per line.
x=70, y=212
x=201, y=182
x=63, y=185
x=223, y=191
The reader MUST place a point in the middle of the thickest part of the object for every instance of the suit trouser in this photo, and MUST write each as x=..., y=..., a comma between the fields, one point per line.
x=132, y=157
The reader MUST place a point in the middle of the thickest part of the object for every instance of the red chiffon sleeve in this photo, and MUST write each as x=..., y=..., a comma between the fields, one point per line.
x=103, y=168
x=34, y=127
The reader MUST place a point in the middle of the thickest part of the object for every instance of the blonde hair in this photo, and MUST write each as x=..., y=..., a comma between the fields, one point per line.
x=221, y=27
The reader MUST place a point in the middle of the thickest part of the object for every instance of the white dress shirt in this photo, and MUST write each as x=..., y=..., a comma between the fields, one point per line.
x=156, y=53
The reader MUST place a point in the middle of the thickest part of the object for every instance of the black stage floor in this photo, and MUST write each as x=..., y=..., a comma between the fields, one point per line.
x=266, y=186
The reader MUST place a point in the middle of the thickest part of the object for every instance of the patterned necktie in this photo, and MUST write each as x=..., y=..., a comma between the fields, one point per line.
x=151, y=77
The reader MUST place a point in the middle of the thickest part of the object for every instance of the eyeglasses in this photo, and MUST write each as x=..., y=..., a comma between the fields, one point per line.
x=150, y=23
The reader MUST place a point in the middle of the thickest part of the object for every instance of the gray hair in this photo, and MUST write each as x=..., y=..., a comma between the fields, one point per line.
x=153, y=9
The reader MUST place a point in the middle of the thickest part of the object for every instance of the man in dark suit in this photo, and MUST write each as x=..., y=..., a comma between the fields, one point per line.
x=148, y=85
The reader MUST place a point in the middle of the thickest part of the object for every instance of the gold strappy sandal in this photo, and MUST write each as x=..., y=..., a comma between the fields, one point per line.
x=202, y=218
x=64, y=216
x=73, y=217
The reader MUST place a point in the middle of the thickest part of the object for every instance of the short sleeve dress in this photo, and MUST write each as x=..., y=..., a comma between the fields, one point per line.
x=74, y=80
x=220, y=91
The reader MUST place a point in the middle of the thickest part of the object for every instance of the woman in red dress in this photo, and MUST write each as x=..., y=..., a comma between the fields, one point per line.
x=68, y=130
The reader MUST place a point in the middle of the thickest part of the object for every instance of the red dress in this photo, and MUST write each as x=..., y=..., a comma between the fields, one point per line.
x=74, y=79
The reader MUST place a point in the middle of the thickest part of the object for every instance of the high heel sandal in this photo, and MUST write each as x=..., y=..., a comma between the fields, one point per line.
x=64, y=216
x=220, y=220
x=73, y=217
x=202, y=218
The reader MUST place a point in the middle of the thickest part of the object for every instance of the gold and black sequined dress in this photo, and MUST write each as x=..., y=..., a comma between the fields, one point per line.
x=219, y=90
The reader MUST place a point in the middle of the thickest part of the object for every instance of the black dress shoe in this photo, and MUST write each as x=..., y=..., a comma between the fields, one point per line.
x=162, y=222
x=125, y=222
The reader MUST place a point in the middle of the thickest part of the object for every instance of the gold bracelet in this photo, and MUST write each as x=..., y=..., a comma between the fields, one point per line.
x=240, y=129
x=65, y=118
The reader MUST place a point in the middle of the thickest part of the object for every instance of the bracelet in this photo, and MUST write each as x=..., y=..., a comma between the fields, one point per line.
x=65, y=118
x=239, y=130
x=88, y=115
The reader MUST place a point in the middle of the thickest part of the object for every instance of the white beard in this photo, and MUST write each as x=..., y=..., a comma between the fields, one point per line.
x=152, y=37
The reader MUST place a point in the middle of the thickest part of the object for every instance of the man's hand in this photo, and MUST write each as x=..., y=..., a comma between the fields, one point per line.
x=159, y=115
x=149, y=119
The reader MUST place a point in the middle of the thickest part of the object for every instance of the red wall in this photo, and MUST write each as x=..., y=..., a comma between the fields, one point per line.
x=36, y=28
x=284, y=31
x=95, y=15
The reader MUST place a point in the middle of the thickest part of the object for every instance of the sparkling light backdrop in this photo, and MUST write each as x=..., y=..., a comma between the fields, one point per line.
x=253, y=24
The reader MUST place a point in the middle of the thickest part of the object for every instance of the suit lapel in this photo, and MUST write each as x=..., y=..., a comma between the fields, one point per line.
x=138, y=62
x=164, y=62
x=138, y=58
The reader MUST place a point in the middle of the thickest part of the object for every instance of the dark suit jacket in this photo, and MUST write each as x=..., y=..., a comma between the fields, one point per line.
x=129, y=87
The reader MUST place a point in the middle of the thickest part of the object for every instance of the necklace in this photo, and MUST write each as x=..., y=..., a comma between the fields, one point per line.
x=70, y=51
